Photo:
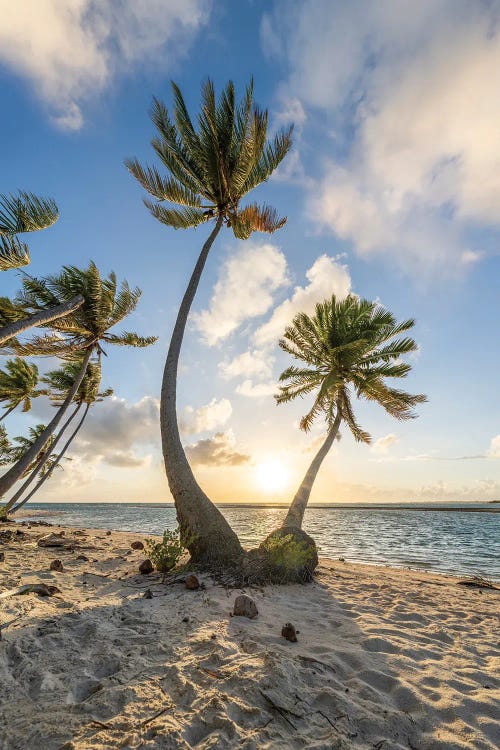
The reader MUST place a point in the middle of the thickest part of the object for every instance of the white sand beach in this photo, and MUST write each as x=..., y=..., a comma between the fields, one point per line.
x=386, y=659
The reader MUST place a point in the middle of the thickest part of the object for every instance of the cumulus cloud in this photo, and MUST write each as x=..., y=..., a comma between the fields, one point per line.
x=208, y=417
x=115, y=428
x=326, y=276
x=384, y=444
x=244, y=290
x=412, y=98
x=70, y=50
x=494, y=450
x=256, y=390
x=253, y=363
x=219, y=450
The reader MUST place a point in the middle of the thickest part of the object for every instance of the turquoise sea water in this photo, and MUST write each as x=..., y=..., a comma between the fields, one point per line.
x=435, y=537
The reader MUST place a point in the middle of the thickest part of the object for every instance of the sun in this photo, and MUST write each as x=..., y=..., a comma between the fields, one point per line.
x=272, y=476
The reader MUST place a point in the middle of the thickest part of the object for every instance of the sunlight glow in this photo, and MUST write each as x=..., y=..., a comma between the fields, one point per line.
x=272, y=476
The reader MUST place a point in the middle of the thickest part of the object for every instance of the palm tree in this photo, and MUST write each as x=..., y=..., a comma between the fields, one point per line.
x=82, y=332
x=210, y=169
x=18, y=384
x=350, y=347
x=88, y=393
x=19, y=214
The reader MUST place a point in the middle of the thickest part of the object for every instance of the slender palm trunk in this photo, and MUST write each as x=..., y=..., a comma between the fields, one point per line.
x=295, y=514
x=8, y=411
x=56, y=462
x=208, y=533
x=40, y=318
x=12, y=475
x=40, y=464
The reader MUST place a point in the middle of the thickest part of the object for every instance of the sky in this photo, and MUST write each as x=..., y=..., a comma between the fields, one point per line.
x=392, y=191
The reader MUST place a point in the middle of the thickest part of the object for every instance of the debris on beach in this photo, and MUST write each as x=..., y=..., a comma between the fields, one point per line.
x=57, y=566
x=137, y=545
x=192, y=583
x=288, y=631
x=244, y=606
x=146, y=567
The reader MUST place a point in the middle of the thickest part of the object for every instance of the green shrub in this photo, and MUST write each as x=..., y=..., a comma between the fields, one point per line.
x=166, y=554
x=287, y=552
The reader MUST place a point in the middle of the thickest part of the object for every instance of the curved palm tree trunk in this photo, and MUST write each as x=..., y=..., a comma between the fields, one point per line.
x=8, y=411
x=12, y=475
x=41, y=318
x=295, y=514
x=41, y=463
x=57, y=460
x=208, y=535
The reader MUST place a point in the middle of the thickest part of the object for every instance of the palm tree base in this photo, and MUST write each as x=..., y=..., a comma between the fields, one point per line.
x=287, y=555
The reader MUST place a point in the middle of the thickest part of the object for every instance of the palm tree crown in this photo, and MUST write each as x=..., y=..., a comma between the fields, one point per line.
x=212, y=167
x=18, y=214
x=350, y=346
x=89, y=326
x=18, y=384
x=61, y=380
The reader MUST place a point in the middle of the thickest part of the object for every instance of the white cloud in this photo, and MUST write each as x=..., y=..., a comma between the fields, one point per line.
x=384, y=444
x=70, y=50
x=256, y=390
x=326, y=277
x=219, y=450
x=115, y=428
x=412, y=94
x=208, y=417
x=253, y=363
x=245, y=289
x=494, y=449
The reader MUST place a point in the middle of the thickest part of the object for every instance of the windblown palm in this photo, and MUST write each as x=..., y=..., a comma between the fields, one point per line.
x=83, y=332
x=211, y=167
x=19, y=214
x=350, y=347
x=18, y=384
x=60, y=382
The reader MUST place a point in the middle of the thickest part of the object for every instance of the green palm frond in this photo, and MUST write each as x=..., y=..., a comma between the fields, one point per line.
x=13, y=253
x=26, y=212
x=18, y=383
x=178, y=218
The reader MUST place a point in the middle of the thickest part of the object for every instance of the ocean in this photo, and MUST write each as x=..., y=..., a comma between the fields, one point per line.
x=461, y=540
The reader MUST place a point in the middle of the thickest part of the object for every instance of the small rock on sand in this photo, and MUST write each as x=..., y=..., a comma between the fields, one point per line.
x=148, y=594
x=288, y=631
x=2, y=556
x=244, y=606
x=137, y=545
x=146, y=567
x=57, y=565
x=192, y=583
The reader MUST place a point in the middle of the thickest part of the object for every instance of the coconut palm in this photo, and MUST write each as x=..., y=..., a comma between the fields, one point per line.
x=60, y=382
x=83, y=332
x=210, y=168
x=350, y=347
x=19, y=214
x=24, y=444
x=18, y=385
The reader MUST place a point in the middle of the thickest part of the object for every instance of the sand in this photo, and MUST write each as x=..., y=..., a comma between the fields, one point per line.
x=385, y=658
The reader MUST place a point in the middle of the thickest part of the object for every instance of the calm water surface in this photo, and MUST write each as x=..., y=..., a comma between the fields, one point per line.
x=456, y=542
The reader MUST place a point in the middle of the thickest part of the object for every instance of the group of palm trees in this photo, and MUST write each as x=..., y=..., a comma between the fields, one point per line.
x=76, y=308
x=347, y=347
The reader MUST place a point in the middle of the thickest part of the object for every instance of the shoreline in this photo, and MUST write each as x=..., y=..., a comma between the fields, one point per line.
x=383, y=656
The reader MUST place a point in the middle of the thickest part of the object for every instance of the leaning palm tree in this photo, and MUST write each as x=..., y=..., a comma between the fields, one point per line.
x=350, y=347
x=19, y=214
x=18, y=385
x=87, y=394
x=210, y=168
x=84, y=332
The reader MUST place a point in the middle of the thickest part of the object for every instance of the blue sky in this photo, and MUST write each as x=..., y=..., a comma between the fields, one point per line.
x=392, y=190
